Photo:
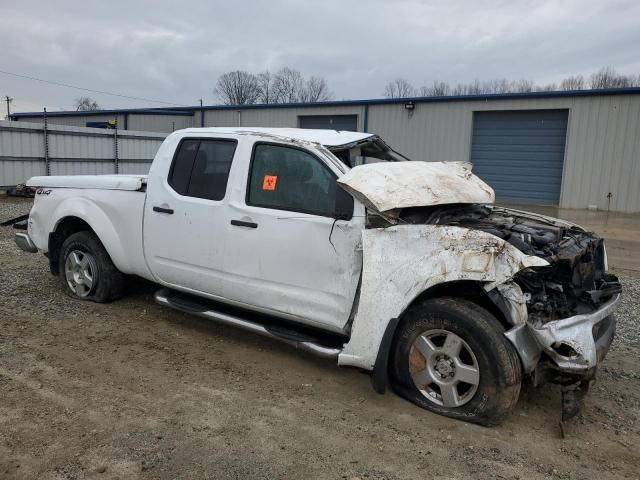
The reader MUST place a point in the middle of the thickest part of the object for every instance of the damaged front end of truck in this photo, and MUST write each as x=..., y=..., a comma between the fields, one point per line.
x=562, y=312
x=548, y=278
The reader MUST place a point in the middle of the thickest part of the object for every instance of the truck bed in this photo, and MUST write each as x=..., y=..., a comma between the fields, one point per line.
x=112, y=205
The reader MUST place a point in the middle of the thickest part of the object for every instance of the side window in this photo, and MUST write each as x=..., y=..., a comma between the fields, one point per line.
x=286, y=178
x=201, y=168
x=182, y=165
x=211, y=169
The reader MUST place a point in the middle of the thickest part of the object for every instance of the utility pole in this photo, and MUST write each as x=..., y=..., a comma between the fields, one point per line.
x=8, y=100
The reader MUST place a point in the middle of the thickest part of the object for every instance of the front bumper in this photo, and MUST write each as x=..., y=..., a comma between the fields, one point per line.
x=575, y=345
x=23, y=240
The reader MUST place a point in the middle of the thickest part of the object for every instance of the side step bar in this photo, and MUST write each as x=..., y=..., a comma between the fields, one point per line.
x=168, y=298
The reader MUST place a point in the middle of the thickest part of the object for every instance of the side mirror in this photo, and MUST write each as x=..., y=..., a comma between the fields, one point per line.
x=344, y=205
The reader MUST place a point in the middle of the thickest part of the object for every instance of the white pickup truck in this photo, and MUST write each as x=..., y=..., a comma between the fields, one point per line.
x=336, y=244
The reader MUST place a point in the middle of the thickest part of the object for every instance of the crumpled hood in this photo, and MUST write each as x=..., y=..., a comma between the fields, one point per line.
x=389, y=186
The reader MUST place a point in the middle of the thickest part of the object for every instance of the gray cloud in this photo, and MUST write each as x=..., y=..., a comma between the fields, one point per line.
x=174, y=51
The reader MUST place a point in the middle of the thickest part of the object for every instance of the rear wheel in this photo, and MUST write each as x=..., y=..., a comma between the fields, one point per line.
x=86, y=270
x=450, y=356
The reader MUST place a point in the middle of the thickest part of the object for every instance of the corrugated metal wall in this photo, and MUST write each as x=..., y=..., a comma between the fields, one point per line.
x=21, y=154
x=159, y=123
x=71, y=151
x=275, y=117
x=602, y=149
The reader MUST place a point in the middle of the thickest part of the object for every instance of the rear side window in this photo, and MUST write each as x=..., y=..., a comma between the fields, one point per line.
x=201, y=168
x=286, y=178
x=182, y=165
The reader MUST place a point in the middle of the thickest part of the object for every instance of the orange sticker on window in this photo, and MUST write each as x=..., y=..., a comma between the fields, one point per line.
x=269, y=182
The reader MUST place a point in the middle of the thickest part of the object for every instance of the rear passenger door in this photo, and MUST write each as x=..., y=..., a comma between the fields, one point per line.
x=184, y=218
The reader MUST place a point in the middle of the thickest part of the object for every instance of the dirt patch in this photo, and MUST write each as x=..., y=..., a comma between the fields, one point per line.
x=132, y=390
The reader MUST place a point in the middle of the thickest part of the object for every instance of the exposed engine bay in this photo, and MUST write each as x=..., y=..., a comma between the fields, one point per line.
x=575, y=282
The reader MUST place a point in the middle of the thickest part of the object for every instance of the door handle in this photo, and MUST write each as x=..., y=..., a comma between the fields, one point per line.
x=163, y=210
x=240, y=223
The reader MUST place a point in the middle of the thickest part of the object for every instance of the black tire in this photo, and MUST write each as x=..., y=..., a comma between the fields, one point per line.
x=500, y=372
x=107, y=281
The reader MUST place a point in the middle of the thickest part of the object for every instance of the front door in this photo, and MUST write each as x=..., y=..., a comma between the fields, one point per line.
x=285, y=251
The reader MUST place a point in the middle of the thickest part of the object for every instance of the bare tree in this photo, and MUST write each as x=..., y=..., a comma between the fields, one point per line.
x=438, y=89
x=265, y=82
x=607, y=77
x=399, y=88
x=285, y=86
x=474, y=88
x=85, y=104
x=237, y=88
x=549, y=87
x=499, y=85
x=523, y=85
x=288, y=85
x=459, y=89
x=575, y=82
x=315, y=90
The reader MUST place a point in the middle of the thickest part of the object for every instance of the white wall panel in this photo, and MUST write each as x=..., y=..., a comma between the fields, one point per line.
x=82, y=168
x=14, y=172
x=134, y=168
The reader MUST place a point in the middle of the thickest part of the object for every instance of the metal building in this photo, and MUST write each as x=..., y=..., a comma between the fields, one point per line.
x=577, y=149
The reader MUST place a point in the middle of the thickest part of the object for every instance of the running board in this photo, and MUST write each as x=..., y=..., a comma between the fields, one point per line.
x=187, y=305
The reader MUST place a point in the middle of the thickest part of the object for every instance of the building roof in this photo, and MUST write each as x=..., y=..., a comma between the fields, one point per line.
x=342, y=103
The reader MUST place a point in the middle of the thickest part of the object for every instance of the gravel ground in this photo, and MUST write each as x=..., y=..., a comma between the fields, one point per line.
x=132, y=390
x=628, y=315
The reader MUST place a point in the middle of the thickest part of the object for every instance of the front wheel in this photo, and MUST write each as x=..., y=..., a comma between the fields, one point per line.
x=86, y=270
x=450, y=356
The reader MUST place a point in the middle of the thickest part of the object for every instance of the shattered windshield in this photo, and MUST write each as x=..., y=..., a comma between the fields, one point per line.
x=370, y=150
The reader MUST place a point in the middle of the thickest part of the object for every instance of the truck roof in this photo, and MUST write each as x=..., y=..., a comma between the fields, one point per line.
x=328, y=138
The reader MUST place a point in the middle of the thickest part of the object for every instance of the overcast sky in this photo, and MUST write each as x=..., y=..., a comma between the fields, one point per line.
x=173, y=51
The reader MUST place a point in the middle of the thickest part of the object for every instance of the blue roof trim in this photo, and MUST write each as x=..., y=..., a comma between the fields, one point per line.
x=346, y=103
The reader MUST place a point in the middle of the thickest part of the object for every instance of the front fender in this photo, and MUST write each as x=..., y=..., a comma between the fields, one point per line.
x=401, y=262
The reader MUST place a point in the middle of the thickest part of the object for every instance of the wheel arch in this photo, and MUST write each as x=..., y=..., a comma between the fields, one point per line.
x=79, y=214
x=64, y=228
x=472, y=290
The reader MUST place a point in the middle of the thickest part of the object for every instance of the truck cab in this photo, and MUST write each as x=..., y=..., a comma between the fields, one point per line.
x=265, y=225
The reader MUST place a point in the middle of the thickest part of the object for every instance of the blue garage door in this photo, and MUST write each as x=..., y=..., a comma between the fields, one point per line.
x=520, y=153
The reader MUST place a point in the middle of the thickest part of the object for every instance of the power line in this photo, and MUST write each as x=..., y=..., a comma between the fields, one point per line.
x=60, y=84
